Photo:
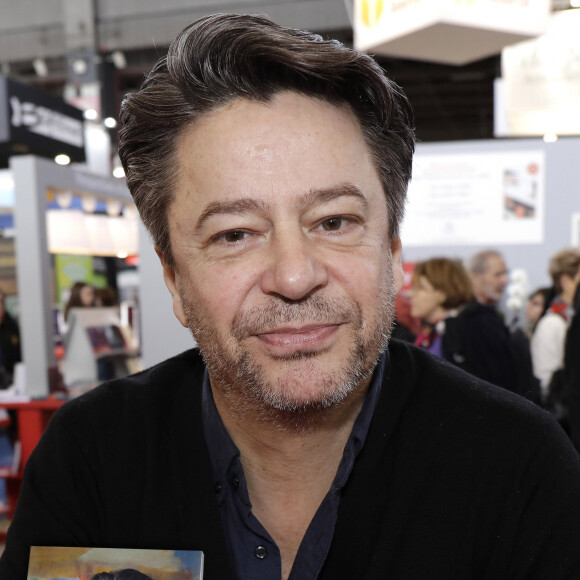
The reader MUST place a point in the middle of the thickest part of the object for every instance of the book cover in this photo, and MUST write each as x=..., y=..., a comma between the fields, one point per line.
x=59, y=563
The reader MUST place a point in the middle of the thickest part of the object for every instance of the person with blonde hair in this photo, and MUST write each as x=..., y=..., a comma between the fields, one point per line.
x=457, y=327
x=547, y=344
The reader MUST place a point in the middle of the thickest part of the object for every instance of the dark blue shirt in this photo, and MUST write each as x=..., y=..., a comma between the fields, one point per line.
x=254, y=554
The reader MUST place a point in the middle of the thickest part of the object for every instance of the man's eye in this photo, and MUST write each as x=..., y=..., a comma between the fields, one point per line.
x=332, y=224
x=233, y=236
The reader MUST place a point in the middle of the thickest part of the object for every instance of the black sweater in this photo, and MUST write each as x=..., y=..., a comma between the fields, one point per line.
x=457, y=479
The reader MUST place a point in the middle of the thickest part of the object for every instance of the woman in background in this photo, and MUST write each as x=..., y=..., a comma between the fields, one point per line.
x=457, y=327
x=81, y=295
x=536, y=307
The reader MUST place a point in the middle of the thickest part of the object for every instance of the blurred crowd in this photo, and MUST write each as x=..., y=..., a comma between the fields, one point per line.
x=452, y=309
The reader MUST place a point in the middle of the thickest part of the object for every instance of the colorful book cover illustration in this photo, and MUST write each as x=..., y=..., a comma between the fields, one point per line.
x=57, y=563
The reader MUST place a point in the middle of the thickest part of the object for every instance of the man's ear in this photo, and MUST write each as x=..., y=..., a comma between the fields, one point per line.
x=396, y=252
x=171, y=278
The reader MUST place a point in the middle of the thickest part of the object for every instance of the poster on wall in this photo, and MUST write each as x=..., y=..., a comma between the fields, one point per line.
x=476, y=199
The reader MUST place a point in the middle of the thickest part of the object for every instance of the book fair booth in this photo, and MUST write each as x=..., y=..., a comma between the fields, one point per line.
x=60, y=225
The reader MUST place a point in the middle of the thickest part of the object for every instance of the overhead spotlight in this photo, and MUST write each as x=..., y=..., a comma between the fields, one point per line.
x=110, y=123
x=114, y=208
x=119, y=60
x=80, y=66
x=90, y=114
x=62, y=159
x=64, y=199
x=40, y=67
x=88, y=203
x=550, y=138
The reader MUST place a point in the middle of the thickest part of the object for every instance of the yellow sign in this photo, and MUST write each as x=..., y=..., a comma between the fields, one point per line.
x=371, y=11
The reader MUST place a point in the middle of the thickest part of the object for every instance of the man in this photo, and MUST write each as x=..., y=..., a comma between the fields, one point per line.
x=489, y=275
x=270, y=167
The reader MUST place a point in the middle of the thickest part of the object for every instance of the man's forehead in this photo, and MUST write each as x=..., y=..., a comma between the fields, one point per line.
x=292, y=143
x=495, y=264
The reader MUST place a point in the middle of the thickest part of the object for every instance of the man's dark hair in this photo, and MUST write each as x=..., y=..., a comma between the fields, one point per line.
x=225, y=57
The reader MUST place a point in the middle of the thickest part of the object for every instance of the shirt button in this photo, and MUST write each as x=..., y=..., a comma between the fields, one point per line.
x=235, y=482
x=217, y=487
x=260, y=552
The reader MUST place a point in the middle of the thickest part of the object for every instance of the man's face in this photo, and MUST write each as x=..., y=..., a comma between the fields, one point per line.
x=283, y=265
x=490, y=285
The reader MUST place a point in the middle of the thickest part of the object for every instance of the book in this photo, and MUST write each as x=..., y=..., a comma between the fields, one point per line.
x=62, y=563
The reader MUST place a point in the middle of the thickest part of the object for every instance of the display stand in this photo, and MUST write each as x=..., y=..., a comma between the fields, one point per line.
x=32, y=419
x=33, y=177
x=97, y=347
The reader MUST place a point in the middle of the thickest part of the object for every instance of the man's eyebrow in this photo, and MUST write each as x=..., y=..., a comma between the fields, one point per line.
x=246, y=205
x=330, y=193
x=234, y=207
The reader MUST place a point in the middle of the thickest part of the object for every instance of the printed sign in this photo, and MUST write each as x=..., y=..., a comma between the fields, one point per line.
x=32, y=121
x=476, y=199
x=541, y=80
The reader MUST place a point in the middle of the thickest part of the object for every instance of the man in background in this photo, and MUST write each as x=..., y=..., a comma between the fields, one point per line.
x=489, y=276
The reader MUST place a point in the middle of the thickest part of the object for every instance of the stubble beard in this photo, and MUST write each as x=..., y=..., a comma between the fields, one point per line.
x=241, y=379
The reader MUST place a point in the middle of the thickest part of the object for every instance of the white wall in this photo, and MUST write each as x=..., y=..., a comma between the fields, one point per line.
x=161, y=333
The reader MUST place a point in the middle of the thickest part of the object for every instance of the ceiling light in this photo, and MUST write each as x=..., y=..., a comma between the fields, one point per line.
x=80, y=66
x=550, y=138
x=110, y=123
x=118, y=172
x=119, y=60
x=88, y=203
x=40, y=68
x=62, y=159
x=90, y=114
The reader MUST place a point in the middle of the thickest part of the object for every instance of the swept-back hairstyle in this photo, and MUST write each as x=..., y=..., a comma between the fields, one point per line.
x=225, y=57
x=448, y=276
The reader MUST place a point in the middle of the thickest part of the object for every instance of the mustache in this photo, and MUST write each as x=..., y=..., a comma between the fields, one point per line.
x=313, y=310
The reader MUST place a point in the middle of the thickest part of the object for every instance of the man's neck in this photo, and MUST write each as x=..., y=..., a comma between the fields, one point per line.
x=289, y=472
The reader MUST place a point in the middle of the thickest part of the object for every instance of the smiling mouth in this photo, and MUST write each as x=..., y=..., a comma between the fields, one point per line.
x=311, y=336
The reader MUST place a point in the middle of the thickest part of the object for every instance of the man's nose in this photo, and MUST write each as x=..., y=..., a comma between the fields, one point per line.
x=294, y=268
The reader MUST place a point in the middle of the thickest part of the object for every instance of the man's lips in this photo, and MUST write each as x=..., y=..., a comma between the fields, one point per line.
x=314, y=335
